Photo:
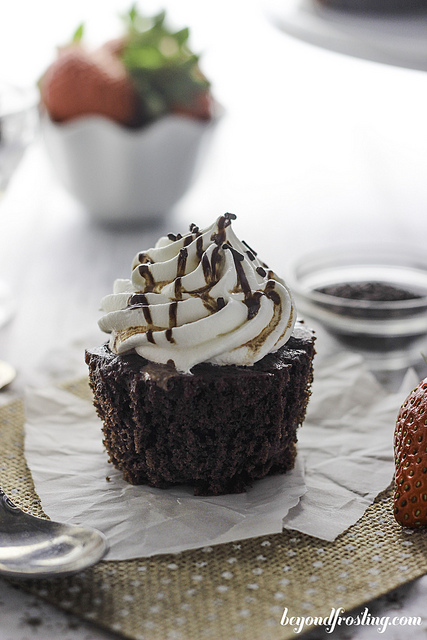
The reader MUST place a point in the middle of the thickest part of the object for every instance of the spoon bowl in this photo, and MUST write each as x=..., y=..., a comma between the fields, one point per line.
x=32, y=547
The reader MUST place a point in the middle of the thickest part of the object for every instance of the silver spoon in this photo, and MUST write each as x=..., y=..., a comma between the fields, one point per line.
x=32, y=547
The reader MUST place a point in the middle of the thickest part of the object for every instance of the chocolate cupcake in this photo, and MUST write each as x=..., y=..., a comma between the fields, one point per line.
x=207, y=375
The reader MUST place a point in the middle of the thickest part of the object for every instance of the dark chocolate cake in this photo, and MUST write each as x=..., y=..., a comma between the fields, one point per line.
x=217, y=429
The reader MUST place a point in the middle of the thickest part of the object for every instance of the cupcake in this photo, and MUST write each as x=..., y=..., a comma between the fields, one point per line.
x=206, y=375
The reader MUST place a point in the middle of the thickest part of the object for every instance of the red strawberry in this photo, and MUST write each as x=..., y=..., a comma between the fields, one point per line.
x=79, y=83
x=410, y=454
x=147, y=73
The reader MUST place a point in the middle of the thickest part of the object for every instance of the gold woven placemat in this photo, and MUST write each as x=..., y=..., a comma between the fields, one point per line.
x=233, y=591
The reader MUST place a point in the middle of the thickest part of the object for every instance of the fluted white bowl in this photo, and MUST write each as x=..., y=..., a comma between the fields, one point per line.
x=126, y=175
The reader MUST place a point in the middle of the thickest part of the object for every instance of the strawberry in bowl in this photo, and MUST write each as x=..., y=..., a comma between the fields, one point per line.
x=124, y=124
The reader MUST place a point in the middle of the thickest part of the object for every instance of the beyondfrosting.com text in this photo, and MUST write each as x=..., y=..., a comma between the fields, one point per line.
x=339, y=618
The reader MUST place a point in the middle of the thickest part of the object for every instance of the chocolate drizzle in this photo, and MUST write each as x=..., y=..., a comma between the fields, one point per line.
x=262, y=272
x=215, y=259
x=144, y=258
x=178, y=288
x=173, y=308
x=174, y=237
x=140, y=300
x=208, y=302
x=182, y=262
x=206, y=266
x=223, y=222
x=270, y=293
x=199, y=247
x=251, y=250
x=210, y=273
x=169, y=336
x=148, y=277
x=274, y=296
x=238, y=257
x=252, y=300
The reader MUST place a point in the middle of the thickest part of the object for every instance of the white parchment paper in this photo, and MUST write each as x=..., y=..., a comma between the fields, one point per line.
x=64, y=451
x=345, y=449
x=346, y=443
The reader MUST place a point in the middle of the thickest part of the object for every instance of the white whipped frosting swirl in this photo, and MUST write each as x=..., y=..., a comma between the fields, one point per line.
x=201, y=297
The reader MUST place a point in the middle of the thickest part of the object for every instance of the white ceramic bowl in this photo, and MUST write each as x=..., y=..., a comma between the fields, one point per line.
x=126, y=175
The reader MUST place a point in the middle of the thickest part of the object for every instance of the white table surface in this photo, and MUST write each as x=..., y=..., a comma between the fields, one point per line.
x=314, y=148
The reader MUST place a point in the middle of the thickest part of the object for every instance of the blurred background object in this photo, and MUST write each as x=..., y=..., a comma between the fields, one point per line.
x=376, y=6
x=18, y=119
x=125, y=175
x=18, y=122
x=385, y=31
x=124, y=123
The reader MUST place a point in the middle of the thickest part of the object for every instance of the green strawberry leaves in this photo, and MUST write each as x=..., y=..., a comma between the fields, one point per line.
x=78, y=34
x=164, y=70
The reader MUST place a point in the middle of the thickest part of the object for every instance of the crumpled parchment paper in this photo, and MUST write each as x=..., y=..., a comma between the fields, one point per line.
x=345, y=458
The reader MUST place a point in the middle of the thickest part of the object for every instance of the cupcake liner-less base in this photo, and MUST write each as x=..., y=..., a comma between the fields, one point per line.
x=233, y=591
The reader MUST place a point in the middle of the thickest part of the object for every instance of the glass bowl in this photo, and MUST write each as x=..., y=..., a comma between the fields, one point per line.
x=333, y=286
x=18, y=123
